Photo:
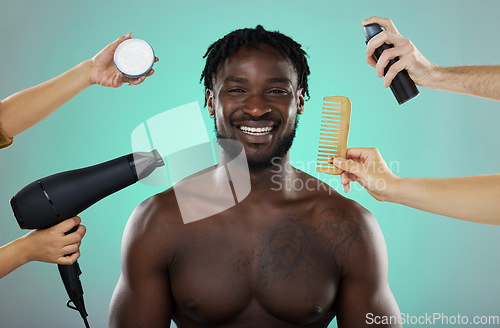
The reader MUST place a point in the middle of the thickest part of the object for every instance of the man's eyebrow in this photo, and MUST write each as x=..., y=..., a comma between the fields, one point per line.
x=235, y=79
x=279, y=80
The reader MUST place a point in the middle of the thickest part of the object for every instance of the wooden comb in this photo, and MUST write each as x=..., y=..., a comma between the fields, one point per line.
x=334, y=130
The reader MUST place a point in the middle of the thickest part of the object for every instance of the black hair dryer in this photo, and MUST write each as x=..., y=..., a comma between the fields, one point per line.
x=58, y=197
x=402, y=85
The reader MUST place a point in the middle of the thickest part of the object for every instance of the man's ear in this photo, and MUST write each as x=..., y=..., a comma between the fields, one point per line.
x=300, y=101
x=209, y=97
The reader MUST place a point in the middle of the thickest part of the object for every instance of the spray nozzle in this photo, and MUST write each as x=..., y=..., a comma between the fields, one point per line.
x=371, y=30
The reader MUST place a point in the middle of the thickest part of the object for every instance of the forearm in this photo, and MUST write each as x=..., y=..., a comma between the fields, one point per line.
x=28, y=107
x=474, y=199
x=12, y=256
x=479, y=81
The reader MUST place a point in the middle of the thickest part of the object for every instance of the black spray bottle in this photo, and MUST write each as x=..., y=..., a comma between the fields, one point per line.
x=402, y=85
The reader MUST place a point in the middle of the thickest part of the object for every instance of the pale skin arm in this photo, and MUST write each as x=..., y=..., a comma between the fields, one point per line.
x=480, y=81
x=45, y=245
x=26, y=108
x=473, y=198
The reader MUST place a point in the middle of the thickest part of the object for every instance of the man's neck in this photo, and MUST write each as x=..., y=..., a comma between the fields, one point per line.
x=271, y=180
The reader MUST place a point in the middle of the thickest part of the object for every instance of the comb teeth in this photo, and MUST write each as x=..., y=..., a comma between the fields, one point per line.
x=334, y=131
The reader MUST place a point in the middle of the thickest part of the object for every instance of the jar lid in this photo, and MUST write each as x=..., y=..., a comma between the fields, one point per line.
x=134, y=58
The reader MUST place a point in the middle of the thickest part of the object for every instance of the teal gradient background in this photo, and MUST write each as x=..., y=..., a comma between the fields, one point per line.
x=436, y=264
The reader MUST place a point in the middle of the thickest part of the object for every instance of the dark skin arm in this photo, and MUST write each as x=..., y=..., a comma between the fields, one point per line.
x=142, y=297
x=365, y=298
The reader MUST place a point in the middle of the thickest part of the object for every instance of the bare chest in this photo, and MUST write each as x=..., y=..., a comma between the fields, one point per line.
x=280, y=269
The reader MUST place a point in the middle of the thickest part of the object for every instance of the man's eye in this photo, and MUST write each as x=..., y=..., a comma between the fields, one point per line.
x=277, y=91
x=236, y=90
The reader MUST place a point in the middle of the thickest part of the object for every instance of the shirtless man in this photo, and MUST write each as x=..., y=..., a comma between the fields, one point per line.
x=279, y=258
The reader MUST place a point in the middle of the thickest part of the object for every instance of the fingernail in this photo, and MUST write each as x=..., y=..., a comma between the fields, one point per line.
x=337, y=161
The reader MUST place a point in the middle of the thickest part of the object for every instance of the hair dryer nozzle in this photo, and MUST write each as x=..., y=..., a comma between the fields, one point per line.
x=144, y=163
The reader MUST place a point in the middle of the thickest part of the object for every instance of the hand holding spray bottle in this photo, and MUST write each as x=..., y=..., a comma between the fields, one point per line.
x=402, y=85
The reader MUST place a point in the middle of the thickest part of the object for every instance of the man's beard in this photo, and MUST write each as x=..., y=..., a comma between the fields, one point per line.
x=260, y=162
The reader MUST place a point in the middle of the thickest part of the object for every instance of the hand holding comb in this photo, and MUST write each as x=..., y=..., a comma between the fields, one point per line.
x=334, y=131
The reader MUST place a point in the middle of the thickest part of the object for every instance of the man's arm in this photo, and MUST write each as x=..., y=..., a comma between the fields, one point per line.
x=473, y=198
x=142, y=297
x=479, y=81
x=365, y=299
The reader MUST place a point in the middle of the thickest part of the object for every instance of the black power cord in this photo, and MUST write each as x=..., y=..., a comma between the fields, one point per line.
x=82, y=313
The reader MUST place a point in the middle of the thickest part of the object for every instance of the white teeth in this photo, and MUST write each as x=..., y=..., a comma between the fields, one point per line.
x=256, y=131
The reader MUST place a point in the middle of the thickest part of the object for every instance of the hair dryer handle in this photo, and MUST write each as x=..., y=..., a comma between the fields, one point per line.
x=70, y=275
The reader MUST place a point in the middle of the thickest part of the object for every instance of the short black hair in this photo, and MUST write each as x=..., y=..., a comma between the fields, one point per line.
x=251, y=37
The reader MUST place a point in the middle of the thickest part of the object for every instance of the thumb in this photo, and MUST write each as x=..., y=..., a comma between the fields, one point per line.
x=349, y=166
x=67, y=225
x=371, y=61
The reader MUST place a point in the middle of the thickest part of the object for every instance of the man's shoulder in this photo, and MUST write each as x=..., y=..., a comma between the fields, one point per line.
x=149, y=237
x=156, y=211
x=164, y=200
x=347, y=209
x=345, y=220
x=357, y=236
x=328, y=200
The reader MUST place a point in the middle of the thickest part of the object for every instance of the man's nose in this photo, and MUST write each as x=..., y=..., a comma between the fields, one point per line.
x=256, y=106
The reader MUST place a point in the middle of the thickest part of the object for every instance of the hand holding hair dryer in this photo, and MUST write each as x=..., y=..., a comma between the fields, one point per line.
x=53, y=199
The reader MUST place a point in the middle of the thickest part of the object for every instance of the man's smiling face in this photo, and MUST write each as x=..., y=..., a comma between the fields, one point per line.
x=255, y=100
